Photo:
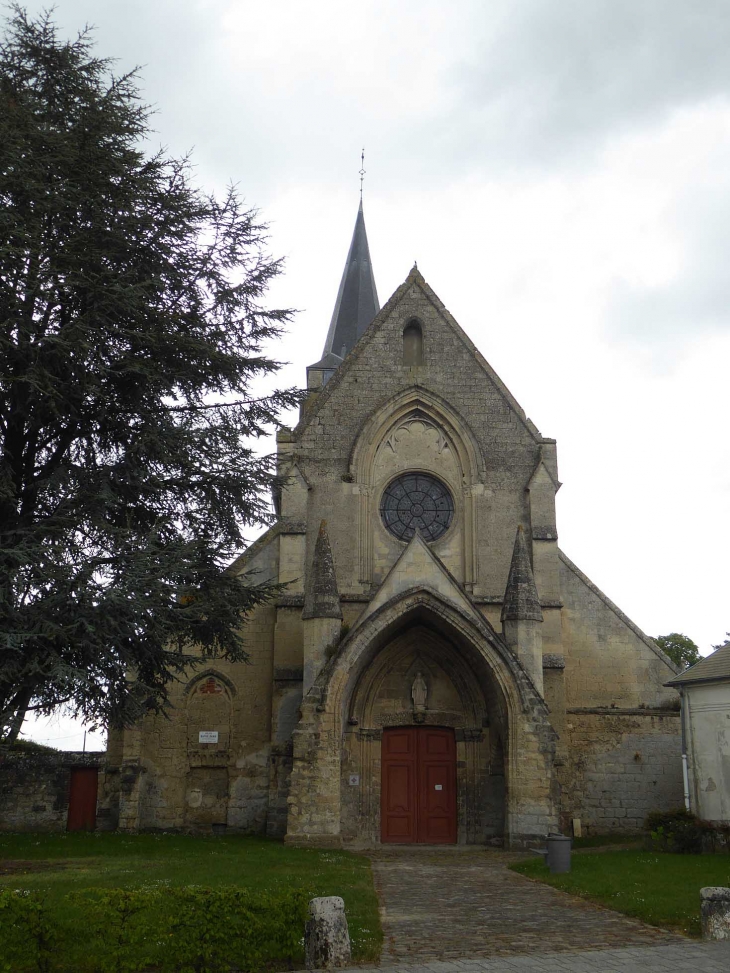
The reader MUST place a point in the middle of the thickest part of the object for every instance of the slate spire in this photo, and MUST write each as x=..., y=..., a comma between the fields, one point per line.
x=357, y=299
x=521, y=601
x=321, y=595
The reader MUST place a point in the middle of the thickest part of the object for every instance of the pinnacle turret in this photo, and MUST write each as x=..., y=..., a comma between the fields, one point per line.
x=321, y=595
x=521, y=601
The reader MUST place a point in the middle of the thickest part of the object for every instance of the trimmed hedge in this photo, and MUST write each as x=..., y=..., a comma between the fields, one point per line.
x=173, y=930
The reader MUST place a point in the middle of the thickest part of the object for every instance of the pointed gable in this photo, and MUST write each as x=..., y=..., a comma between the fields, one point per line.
x=418, y=567
x=411, y=301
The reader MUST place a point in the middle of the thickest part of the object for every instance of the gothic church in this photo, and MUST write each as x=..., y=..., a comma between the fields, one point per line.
x=437, y=670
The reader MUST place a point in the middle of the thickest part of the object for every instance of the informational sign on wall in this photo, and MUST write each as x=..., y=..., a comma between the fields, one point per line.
x=354, y=780
x=208, y=736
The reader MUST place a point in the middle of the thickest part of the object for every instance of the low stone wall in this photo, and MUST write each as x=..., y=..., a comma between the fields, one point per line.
x=34, y=789
x=621, y=765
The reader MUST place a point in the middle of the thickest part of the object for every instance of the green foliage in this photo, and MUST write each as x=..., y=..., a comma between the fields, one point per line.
x=131, y=331
x=681, y=832
x=177, y=930
x=680, y=649
x=120, y=927
x=214, y=928
x=102, y=890
x=658, y=888
x=724, y=644
x=27, y=933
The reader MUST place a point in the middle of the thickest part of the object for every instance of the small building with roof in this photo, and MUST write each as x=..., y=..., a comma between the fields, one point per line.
x=435, y=668
x=705, y=693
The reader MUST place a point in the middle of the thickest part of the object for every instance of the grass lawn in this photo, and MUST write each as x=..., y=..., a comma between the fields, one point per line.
x=659, y=888
x=61, y=863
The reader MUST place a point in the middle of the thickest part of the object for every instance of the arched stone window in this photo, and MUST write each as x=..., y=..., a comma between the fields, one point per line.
x=412, y=344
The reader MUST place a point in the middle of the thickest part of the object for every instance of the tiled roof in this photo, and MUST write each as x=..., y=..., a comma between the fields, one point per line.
x=715, y=666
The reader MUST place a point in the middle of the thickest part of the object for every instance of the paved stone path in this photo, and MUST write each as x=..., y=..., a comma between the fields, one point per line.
x=451, y=904
x=686, y=956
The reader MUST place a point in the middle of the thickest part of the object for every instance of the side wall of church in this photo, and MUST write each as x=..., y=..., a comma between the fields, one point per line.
x=607, y=659
x=183, y=783
x=621, y=741
x=619, y=768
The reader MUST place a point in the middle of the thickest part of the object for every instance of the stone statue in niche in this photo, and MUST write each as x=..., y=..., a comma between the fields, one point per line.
x=419, y=693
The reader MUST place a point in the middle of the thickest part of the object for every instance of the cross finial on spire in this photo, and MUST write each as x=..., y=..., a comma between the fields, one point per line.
x=362, y=169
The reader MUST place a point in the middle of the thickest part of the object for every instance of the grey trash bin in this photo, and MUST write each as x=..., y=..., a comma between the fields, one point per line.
x=558, y=853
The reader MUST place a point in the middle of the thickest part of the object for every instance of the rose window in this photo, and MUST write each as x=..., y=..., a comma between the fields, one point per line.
x=417, y=501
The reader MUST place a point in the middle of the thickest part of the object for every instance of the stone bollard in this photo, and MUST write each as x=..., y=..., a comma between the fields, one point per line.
x=715, y=912
x=326, y=938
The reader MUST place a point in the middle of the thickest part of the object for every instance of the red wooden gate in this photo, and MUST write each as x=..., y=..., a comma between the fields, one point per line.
x=82, y=799
x=418, y=785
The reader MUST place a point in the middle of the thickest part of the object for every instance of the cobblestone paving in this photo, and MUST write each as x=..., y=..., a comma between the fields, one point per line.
x=453, y=904
x=681, y=957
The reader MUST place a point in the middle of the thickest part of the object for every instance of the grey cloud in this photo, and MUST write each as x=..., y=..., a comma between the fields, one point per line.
x=546, y=80
x=696, y=301
x=535, y=84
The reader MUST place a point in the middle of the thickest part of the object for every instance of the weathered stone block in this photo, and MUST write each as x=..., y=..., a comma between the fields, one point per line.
x=715, y=912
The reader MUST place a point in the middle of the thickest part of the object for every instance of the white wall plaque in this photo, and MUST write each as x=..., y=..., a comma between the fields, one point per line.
x=438, y=787
x=354, y=780
x=208, y=736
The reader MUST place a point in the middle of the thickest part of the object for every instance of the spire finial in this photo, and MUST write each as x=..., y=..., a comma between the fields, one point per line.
x=362, y=169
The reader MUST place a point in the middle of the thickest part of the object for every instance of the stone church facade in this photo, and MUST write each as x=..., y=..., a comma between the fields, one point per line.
x=437, y=669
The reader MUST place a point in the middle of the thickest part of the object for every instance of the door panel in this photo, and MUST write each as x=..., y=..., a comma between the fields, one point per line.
x=437, y=792
x=398, y=785
x=82, y=799
x=418, y=785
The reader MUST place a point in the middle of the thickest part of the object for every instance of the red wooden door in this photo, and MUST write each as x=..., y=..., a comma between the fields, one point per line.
x=418, y=785
x=82, y=799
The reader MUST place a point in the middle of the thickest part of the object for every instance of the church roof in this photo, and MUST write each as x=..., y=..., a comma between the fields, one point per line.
x=713, y=667
x=521, y=601
x=321, y=595
x=357, y=299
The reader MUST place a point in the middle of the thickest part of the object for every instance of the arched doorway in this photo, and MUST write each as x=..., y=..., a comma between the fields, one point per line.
x=480, y=691
x=416, y=757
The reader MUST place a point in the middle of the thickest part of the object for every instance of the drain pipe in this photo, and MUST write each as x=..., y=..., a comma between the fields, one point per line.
x=683, y=707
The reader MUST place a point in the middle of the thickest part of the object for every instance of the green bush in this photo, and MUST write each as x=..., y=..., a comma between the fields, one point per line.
x=682, y=832
x=27, y=937
x=122, y=928
x=175, y=930
x=214, y=928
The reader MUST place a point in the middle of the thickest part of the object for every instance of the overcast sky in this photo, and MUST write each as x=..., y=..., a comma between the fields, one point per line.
x=560, y=169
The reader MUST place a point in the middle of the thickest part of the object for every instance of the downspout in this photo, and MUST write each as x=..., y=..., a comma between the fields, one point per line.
x=685, y=776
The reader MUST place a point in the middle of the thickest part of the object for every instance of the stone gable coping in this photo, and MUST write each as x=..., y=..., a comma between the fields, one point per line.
x=258, y=545
x=650, y=643
x=415, y=277
x=541, y=462
x=420, y=595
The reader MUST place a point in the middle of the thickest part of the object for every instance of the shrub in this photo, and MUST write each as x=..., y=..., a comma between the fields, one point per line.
x=185, y=930
x=122, y=927
x=214, y=928
x=27, y=936
x=682, y=832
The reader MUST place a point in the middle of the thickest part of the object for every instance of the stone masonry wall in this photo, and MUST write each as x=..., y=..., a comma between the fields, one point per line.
x=34, y=789
x=508, y=445
x=620, y=767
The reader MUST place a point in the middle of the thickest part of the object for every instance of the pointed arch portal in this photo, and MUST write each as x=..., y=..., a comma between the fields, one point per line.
x=475, y=689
